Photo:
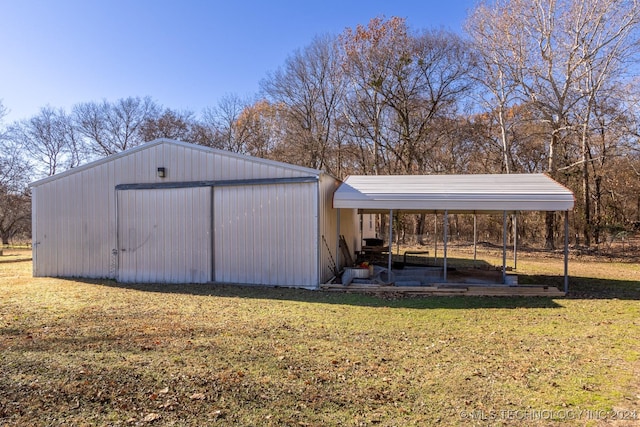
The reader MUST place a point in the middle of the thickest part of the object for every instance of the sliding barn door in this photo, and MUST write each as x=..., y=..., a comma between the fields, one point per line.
x=164, y=235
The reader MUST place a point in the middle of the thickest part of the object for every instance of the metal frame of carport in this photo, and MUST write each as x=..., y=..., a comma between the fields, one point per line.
x=457, y=194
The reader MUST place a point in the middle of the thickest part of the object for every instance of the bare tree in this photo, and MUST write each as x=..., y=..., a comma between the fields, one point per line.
x=109, y=128
x=606, y=33
x=221, y=123
x=178, y=125
x=49, y=139
x=3, y=114
x=401, y=86
x=495, y=73
x=310, y=86
x=431, y=95
x=262, y=130
x=15, y=203
x=370, y=52
x=14, y=169
x=15, y=214
x=553, y=50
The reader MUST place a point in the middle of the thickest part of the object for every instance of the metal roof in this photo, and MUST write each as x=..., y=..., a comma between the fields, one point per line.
x=160, y=141
x=453, y=193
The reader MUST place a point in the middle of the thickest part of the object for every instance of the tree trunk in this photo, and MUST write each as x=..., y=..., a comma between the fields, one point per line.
x=384, y=228
x=505, y=144
x=549, y=241
x=586, y=201
x=586, y=194
x=420, y=226
x=597, y=209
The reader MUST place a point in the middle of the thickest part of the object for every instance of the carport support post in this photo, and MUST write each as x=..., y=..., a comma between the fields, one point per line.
x=390, y=241
x=515, y=240
x=445, y=238
x=361, y=231
x=435, y=239
x=504, y=247
x=337, y=241
x=566, y=251
x=475, y=240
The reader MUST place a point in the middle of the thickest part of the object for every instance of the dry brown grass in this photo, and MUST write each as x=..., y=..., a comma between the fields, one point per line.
x=96, y=353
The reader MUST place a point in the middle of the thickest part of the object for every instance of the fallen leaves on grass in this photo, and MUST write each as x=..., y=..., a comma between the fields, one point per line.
x=149, y=418
x=101, y=354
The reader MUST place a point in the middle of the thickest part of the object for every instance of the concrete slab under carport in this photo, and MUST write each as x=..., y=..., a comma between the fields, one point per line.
x=429, y=281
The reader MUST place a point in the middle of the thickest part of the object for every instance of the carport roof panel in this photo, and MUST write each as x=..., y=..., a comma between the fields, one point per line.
x=462, y=193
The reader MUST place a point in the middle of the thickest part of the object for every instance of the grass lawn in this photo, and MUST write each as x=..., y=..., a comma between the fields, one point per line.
x=97, y=353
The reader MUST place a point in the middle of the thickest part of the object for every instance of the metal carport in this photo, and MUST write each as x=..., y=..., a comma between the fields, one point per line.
x=472, y=193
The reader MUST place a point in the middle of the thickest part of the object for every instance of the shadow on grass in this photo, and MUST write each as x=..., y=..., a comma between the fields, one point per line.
x=391, y=300
x=588, y=287
x=13, y=258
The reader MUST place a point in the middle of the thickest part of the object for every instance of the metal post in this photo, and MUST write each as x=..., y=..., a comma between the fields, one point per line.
x=390, y=241
x=435, y=239
x=397, y=244
x=475, y=240
x=566, y=251
x=515, y=241
x=504, y=247
x=361, y=230
x=212, y=241
x=445, y=237
x=338, y=240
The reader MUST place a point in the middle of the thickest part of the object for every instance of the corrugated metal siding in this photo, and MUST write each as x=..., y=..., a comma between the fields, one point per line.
x=74, y=230
x=164, y=235
x=74, y=214
x=326, y=241
x=265, y=234
x=328, y=229
x=329, y=225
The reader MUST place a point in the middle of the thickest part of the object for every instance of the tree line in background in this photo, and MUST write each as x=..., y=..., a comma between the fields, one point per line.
x=551, y=86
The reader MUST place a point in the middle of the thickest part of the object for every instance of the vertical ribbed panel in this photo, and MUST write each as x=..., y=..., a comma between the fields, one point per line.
x=265, y=234
x=164, y=235
x=74, y=230
x=328, y=225
x=327, y=240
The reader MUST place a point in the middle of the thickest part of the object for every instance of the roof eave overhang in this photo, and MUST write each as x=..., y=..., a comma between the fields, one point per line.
x=457, y=207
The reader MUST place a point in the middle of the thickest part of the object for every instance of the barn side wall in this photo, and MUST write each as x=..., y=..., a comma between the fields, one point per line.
x=74, y=227
x=331, y=227
x=75, y=215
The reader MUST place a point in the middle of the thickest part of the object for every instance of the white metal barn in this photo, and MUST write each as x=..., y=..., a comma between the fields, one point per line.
x=173, y=212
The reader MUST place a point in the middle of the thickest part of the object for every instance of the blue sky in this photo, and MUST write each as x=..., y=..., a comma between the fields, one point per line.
x=186, y=54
